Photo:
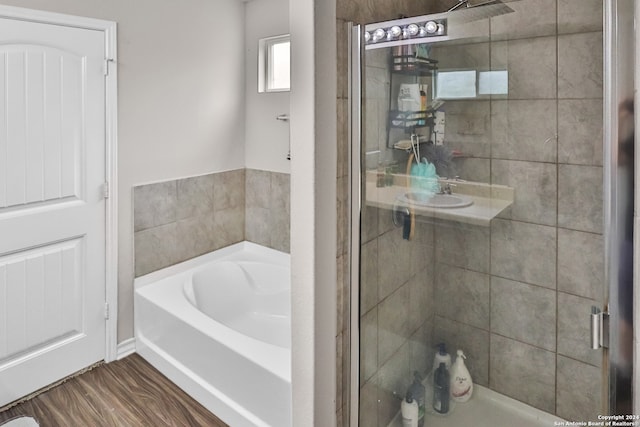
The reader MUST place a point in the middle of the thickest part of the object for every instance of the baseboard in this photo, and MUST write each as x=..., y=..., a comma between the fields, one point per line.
x=125, y=348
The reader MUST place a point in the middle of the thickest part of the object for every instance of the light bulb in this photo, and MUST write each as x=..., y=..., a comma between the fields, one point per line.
x=395, y=31
x=379, y=34
x=413, y=29
x=367, y=36
x=431, y=27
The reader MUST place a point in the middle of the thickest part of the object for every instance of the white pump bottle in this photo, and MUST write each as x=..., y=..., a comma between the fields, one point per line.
x=461, y=384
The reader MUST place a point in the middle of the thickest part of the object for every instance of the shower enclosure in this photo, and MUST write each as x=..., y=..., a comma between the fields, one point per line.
x=492, y=208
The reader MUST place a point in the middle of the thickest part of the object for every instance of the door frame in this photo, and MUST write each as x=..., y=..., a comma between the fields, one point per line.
x=109, y=28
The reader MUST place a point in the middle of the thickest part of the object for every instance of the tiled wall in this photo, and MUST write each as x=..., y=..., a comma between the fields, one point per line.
x=514, y=295
x=181, y=219
x=268, y=213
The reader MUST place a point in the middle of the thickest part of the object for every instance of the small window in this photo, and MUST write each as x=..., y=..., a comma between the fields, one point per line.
x=273, y=64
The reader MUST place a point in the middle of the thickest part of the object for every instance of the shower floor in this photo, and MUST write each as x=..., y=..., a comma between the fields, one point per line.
x=487, y=409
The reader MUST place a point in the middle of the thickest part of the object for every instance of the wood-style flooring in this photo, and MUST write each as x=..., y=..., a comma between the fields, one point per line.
x=125, y=393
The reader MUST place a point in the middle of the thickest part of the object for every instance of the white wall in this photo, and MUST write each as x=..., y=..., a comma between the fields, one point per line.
x=313, y=211
x=181, y=98
x=267, y=139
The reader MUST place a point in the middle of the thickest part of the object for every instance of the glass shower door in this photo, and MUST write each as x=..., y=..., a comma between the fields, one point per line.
x=484, y=223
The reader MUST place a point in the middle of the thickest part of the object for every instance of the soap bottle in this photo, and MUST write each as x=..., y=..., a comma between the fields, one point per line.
x=461, y=383
x=441, y=389
x=409, y=411
x=417, y=391
x=441, y=357
x=423, y=106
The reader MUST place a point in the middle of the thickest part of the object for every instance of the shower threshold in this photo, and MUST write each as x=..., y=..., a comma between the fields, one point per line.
x=488, y=408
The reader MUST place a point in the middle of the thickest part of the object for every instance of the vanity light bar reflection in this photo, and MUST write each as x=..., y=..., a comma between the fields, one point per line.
x=409, y=31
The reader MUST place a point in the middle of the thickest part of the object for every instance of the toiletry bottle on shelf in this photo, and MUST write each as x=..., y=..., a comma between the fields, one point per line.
x=441, y=389
x=423, y=106
x=409, y=411
x=461, y=383
x=417, y=390
x=441, y=357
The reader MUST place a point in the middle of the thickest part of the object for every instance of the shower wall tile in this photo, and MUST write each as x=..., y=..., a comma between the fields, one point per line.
x=194, y=196
x=268, y=209
x=421, y=349
x=473, y=169
x=394, y=263
x=579, y=16
x=573, y=335
x=257, y=225
x=463, y=245
x=229, y=226
x=368, y=345
x=462, y=56
x=531, y=64
x=421, y=300
x=154, y=205
x=229, y=190
x=524, y=312
x=204, y=213
x=258, y=188
x=394, y=379
x=155, y=248
x=580, y=198
x=580, y=131
x=468, y=127
x=369, y=223
x=393, y=324
x=579, y=390
x=581, y=264
x=532, y=18
x=473, y=341
x=524, y=130
x=513, y=246
x=368, y=414
x=523, y=372
x=462, y=295
x=535, y=189
x=194, y=236
x=369, y=276
x=580, y=65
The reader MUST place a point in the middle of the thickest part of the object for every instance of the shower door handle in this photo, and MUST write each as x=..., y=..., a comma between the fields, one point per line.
x=599, y=328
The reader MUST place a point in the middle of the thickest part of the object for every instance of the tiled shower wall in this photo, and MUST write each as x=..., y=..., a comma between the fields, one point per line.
x=514, y=295
x=181, y=219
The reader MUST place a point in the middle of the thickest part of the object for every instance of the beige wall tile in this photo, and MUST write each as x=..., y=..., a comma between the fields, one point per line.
x=581, y=264
x=579, y=390
x=580, y=198
x=580, y=65
x=580, y=131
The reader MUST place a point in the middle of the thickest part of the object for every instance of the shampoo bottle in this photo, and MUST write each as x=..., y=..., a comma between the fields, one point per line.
x=441, y=357
x=409, y=411
x=461, y=384
x=441, y=389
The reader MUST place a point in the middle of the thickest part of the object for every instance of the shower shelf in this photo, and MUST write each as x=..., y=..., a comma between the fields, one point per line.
x=410, y=120
x=413, y=66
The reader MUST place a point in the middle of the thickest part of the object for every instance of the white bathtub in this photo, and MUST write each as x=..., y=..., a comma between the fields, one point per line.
x=219, y=326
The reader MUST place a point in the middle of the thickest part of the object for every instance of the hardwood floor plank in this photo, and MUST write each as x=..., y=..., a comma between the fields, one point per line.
x=125, y=393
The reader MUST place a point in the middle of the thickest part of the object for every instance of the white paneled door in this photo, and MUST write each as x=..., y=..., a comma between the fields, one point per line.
x=52, y=205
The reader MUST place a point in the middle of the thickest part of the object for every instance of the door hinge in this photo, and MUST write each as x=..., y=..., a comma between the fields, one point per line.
x=105, y=68
x=599, y=328
x=105, y=190
x=106, y=310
